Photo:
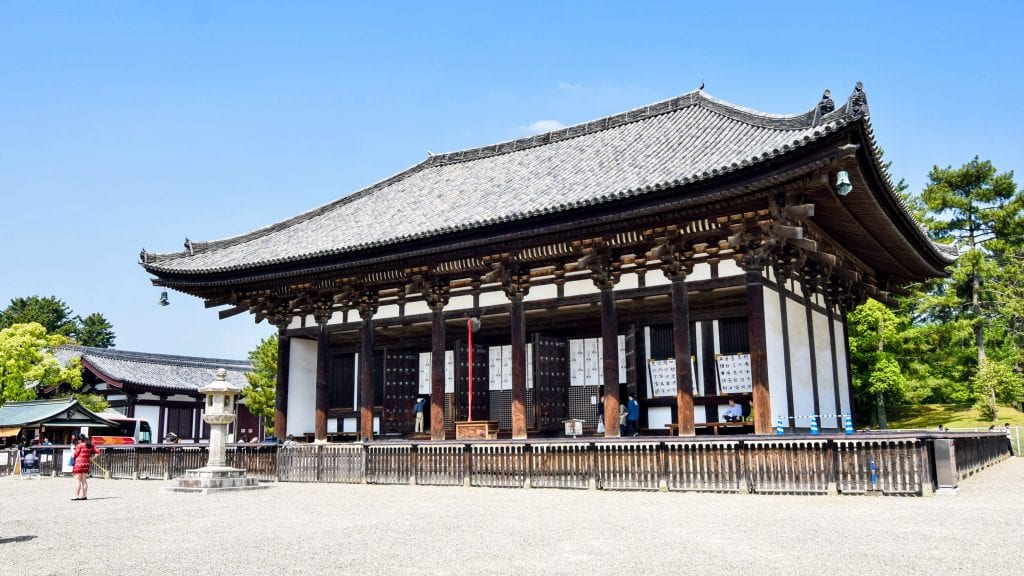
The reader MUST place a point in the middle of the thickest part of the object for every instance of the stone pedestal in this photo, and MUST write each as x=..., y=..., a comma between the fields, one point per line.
x=213, y=479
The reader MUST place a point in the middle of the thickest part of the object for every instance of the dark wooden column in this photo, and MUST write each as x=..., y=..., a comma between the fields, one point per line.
x=516, y=283
x=681, y=349
x=756, y=330
x=605, y=274
x=284, y=348
x=808, y=285
x=367, y=307
x=437, y=296
x=322, y=391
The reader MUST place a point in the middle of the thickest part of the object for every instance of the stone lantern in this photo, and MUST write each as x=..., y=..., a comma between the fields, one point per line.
x=217, y=476
x=220, y=411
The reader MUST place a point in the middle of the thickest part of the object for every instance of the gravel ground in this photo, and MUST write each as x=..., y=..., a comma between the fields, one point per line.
x=129, y=527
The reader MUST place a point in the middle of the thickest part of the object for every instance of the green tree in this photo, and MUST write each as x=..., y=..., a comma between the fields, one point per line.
x=996, y=382
x=26, y=363
x=874, y=333
x=94, y=330
x=52, y=313
x=973, y=206
x=261, y=392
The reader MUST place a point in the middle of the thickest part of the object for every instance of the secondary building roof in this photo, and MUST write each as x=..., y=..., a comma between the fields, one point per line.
x=56, y=413
x=153, y=372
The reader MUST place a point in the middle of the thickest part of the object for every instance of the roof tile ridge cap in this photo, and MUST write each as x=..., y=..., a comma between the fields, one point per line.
x=201, y=246
x=585, y=128
x=755, y=117
x=942, y=250
x=152, y=357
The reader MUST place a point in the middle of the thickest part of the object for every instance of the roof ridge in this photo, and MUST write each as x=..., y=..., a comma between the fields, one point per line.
x=154, y=358
x=693, y=98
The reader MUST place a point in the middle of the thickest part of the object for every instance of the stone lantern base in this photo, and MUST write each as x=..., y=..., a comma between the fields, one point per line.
x=213, y=479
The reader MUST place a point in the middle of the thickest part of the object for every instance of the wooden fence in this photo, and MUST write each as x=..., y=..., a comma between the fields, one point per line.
x=891, y=464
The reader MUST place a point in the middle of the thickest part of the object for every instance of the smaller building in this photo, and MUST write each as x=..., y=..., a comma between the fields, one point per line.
x=161, y=388
x=56, y=420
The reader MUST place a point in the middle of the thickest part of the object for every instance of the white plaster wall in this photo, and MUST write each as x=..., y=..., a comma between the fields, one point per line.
x=416, y=308
x=182, y=397
x=152, y=415
x=460, y=302
x=844, y=381
x=700, y=415
x=332, y=425
x=776, y=359
x=801, y=370
x=545, y=292
x=628, y=282
x=658, y=417
x=578, y=287
x=658, y=279
x=700, y=272
x=301, y=387
x=497, y=297
x=389, y=311
x=729, y=267
x=823, y=355
x=148, y=396
x=699, y=345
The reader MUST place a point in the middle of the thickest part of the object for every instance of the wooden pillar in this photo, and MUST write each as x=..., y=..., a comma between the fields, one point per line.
x=437, y=371
x=366, y=399
x=807, y=287
x=518, y=368
x=284, y=347
x=610, y=367
x=756, y=330
x=322, y=391
x=681, y=349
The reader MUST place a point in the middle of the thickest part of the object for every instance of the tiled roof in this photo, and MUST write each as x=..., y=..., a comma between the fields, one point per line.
x=688, y=139
x=55, y=412
x=155, y=371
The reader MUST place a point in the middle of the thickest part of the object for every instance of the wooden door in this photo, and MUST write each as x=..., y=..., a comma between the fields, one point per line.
x=401, y=385
x=550, y=381
x=481, y=388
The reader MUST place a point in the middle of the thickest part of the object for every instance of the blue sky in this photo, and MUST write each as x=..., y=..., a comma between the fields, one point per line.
x=135, y=124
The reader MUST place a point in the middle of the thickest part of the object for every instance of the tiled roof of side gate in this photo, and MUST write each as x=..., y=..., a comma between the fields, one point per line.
x=687, y=139
x=156, y=371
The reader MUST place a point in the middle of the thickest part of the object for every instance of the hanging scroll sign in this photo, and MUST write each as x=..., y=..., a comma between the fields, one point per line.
x=663, y=376
x=734, y=374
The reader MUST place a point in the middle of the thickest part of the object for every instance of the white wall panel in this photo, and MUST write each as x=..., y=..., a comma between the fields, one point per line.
x=301, y=387
x=844, y=380
x=775, y=355
x=545, y=292
x=494, y=298
x=823, y=356
x=460, y=302
x=729, y=267
x=389, y=311
x=416, y=308
x=658, y=417
x=800, y=362
x=628, y=282
x=579, y=287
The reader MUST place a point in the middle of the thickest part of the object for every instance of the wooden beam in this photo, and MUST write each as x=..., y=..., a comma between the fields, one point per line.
x=233, y=311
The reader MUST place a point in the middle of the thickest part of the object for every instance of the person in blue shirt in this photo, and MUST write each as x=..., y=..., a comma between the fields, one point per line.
x=734, y=413
x=632, y=416
x=420, y=403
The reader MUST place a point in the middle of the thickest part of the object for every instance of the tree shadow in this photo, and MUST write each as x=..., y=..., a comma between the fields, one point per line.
x=14, y=539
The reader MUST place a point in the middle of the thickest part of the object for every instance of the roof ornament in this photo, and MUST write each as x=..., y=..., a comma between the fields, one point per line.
x=701, y=87
x=857, y=105
x=144, y=256
x=188, y=246
x=825, y=106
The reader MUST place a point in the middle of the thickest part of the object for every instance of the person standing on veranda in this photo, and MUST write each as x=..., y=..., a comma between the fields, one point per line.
x=83, y=453
x=418, y=409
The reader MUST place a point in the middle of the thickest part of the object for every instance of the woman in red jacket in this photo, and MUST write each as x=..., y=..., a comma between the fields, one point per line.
x=84, y=451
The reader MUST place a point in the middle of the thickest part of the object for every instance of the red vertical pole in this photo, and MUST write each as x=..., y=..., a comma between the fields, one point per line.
x=469, y=328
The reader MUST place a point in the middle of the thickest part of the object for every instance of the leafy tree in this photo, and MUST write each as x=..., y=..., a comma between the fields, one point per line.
x=26, y=363
x=52, y=313
x=973, y=206
x=261, y=392
x=94, y=330
x=996, y=382
x=874, y=333
x=92, y=402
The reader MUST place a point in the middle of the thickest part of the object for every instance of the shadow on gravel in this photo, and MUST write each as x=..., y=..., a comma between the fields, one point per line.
x=14, y=539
